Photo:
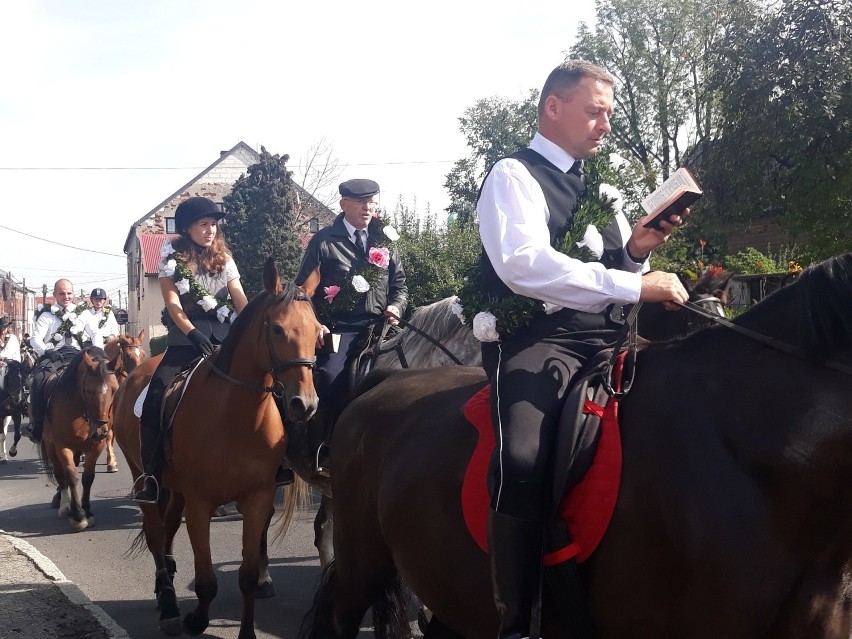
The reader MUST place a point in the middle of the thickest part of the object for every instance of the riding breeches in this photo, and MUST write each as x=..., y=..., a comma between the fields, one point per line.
x=330, y=375
x=530, y=376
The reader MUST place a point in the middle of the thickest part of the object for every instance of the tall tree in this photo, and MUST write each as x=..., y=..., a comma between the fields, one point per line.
x=261, y=222
x=786, y=148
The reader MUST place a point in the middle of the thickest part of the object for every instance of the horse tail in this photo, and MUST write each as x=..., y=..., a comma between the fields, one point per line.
x=390, y=611
x=317, y=622
x=47, y=465
x=137, y=546
x=296, y=497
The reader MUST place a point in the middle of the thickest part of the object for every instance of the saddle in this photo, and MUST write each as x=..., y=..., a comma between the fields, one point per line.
x=379, y=338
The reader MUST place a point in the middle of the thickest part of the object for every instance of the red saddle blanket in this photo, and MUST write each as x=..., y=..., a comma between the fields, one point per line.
x=587, y=509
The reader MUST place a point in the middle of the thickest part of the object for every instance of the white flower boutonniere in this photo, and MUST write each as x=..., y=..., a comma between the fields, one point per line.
x=182, y=286
x=222, y=313
x=592, y=240
x=360, y=284
x=208, y=302
x=485, y=327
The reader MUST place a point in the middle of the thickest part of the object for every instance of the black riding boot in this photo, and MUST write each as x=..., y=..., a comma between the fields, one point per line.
x=284, y=475
x=153, y=459
x=36, y=412
x=515, y=546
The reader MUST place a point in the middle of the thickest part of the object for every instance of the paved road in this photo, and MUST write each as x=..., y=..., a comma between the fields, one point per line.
x=96, y=559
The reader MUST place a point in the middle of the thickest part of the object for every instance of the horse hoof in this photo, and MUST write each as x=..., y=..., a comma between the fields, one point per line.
x=4, y=461
x=78, y=525
x=54, y=503
x=13, y=451
x=172, y=627
x=195, y=624
x=112, y=468
x=264, y=591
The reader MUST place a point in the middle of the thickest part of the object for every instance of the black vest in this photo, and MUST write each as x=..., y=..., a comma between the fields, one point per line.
x=561, y=193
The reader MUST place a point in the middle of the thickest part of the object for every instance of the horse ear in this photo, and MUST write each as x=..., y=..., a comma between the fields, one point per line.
x=310, y=285
x=271, y=279
x=141, y=335
x=88, y=361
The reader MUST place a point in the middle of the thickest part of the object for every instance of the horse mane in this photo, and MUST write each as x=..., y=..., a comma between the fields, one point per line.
x=225, y=354
x=818, y=304
x=69, y=373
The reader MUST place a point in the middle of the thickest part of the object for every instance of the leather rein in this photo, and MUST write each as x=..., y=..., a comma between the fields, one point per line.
x=275, y=367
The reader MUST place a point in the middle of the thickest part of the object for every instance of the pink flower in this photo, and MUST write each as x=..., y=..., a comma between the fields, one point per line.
x=330, y=292
x=379, y=257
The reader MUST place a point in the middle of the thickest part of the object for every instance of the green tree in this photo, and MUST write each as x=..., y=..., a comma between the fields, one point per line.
x=786, y=144
x=261, y=222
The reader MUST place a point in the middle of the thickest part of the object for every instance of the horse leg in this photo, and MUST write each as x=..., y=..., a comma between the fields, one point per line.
x=72, y=508
x=324, y=531
x=198, y=526
x=265, y=589
x=256, y=517
x=112, y=465
x=14, y=449
x=6, y=422
x=88, y=480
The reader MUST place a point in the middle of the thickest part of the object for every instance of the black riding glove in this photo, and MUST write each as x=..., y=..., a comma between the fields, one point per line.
x=202, y=344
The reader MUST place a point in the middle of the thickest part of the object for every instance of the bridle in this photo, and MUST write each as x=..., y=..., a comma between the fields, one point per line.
x=275, y=366
x=99, y=422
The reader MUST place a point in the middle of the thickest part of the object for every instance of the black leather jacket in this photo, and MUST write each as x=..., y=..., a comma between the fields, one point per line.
x=334, y=252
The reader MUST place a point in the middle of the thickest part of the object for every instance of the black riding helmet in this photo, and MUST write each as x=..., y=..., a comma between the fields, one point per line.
x=194, y=209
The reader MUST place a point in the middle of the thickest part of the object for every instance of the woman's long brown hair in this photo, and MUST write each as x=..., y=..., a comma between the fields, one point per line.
x=211, y=259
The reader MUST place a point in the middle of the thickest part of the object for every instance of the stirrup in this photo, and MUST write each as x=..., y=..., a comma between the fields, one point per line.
x=322, y=471
x=141, y=497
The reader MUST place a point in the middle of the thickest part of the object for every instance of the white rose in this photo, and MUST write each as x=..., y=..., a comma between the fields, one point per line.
x=485, y=327
x=609, y=192
x=391, y=233
x=58, y=338
x=71, y=315
x=55, y=308
x=40, y=308
x=182, y=286
x=169, y=268
x=222, y=313
x=361, y=285
x=592, y=240
x=616, y=161
x=167, y=249
x=208, y=302
x=457, y=310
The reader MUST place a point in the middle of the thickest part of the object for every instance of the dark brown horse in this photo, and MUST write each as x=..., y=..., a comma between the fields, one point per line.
x=734, y=518
x=227, y=440
x=125, y=353
x=76, y=422
x=13, y=403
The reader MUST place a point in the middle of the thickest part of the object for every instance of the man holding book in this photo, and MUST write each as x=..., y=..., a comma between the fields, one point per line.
x=525, y=205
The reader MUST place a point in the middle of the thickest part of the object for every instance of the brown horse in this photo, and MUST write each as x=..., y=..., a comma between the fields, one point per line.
x=733, y=518
x=76, y=422
x=125, y=353
x=227, y=440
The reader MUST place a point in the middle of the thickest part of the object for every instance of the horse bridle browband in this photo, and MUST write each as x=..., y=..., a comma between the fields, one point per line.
x=275, y=367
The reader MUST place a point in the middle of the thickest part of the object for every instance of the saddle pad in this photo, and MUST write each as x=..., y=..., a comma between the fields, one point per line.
x=140, y=401
x=586, y=510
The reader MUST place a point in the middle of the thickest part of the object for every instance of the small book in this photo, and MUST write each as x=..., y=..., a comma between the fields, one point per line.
x=331, y=343
x=672, y=197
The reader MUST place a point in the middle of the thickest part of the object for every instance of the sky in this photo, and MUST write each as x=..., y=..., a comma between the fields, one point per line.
x=109, y=106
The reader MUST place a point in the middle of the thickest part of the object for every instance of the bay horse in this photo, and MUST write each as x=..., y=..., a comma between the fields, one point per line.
x=75, y=423
x=734, y=516
x=13, y=403
x=415, y=347
x=227, y=440
x=125, y=353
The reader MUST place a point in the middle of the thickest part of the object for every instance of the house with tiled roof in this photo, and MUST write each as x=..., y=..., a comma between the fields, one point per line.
x=148, y=234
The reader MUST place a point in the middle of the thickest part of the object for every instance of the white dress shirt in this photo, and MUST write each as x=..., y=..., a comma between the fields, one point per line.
x=12, y=348
x=352, y=230
x=42, y=338
x=513, y=218
x=90, y=319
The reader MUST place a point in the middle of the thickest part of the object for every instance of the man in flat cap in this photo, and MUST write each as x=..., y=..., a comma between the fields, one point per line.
x=362, y=284
x=98, y=320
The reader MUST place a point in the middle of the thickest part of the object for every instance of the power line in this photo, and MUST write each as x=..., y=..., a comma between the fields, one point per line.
x=198, y=168
x=76, y=248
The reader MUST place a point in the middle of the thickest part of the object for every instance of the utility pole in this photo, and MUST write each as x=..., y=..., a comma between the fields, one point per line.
x=44, y=294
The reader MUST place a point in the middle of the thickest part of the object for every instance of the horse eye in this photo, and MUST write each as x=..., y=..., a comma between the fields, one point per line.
x=277, y=330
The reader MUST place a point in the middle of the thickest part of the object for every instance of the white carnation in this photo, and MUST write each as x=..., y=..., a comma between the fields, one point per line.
x=616, y=161
x=592, y=240
x=361, y=285
x=485, y=327
x=609, y=192
x=182, y=286
x=169, y=268
x=55, y=308
x=166, y=250
x=71, y=315
x=40, y=308
x=222, y=313
x=391, y=233
x=57, y=337
x=208, y=302
x=457, y=310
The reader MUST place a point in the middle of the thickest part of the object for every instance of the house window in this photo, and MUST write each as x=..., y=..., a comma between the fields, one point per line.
x=170, y=225
x=313, y=225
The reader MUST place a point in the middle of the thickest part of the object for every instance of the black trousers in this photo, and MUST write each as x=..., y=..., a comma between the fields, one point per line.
x=529, y=375
x=174, y=360
x=51, y=362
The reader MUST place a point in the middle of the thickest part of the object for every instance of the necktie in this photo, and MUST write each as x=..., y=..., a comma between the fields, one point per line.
x=360, y=244
x=577, y=169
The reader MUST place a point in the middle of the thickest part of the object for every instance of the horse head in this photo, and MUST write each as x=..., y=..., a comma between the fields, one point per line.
x=129, y=353
x=96, y=385
x=12, y=385
x=291, y=330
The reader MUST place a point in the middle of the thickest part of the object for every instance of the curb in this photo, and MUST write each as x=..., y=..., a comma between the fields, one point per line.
x=71, y=591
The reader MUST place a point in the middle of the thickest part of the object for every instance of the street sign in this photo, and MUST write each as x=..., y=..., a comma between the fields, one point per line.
x=121, y=316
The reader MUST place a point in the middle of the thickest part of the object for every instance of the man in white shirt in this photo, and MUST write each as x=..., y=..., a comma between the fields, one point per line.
x=525, y=205
x=98, y=320
x=10, y=347
x=54, y=350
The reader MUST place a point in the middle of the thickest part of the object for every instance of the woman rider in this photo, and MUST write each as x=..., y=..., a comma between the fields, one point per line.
x=193, y=267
